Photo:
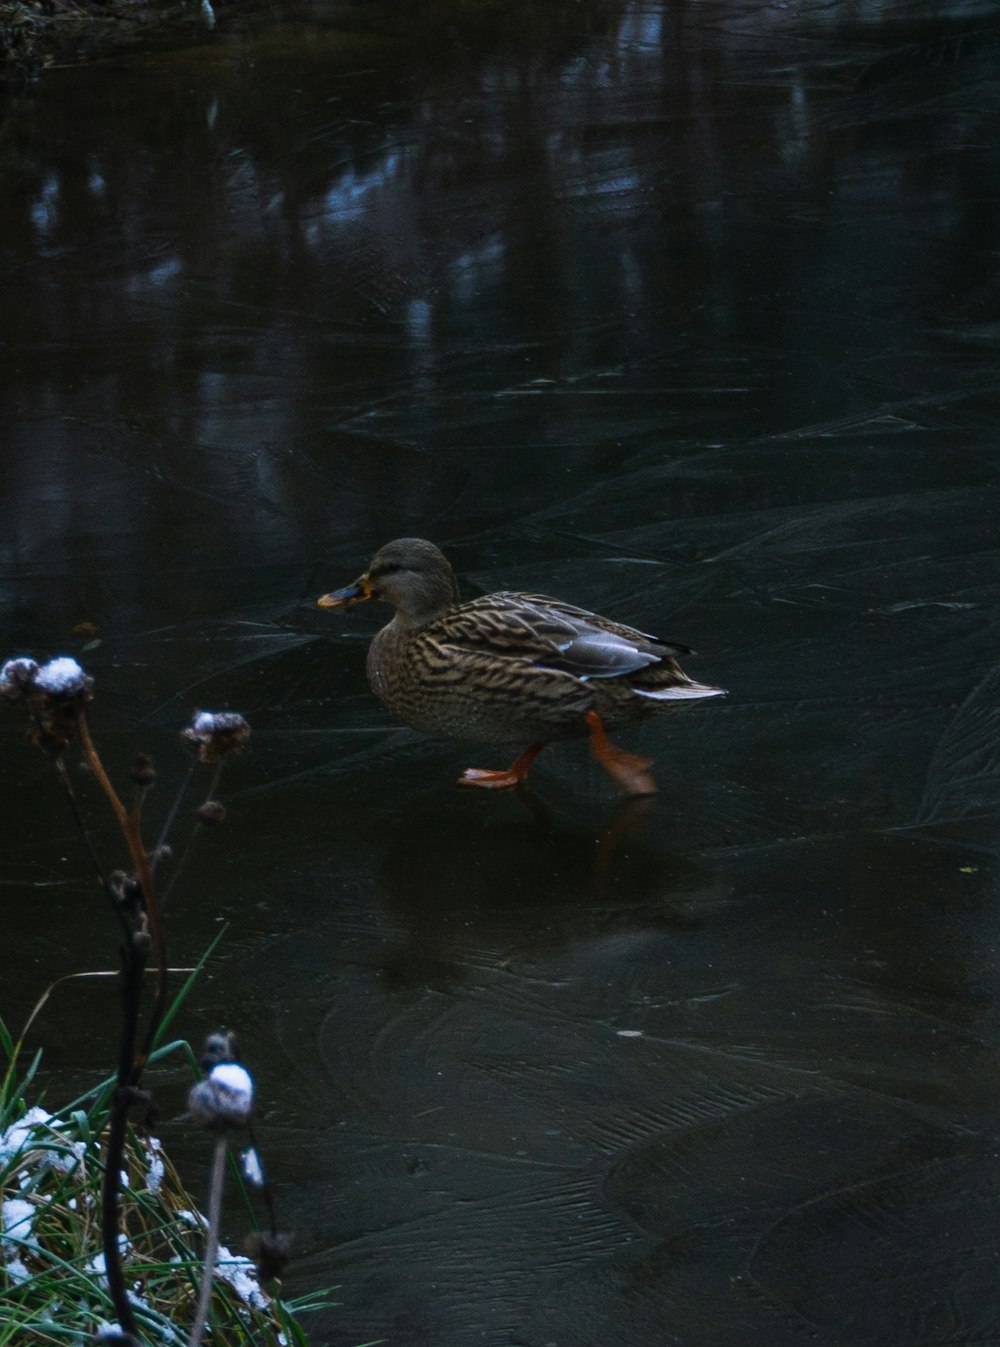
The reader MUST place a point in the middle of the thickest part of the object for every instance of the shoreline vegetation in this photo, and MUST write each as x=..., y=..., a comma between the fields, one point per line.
x=36, y=35
x=53, y=1276
x=96, y=1232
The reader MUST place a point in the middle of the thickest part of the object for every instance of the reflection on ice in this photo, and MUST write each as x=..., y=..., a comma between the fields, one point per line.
x=164, y=272
x=45, y=208
x=348, y=197
x=476, y=268
x=641, y=25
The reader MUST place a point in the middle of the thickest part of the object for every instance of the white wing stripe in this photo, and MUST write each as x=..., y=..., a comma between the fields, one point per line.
x=690, y=692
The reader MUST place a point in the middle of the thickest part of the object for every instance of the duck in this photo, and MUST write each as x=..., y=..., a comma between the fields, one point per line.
x=511, y=668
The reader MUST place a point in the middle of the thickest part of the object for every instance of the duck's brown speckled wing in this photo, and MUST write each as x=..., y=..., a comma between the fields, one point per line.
x=550, y=634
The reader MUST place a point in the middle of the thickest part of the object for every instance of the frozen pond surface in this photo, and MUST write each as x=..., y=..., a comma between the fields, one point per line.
x=687, y=313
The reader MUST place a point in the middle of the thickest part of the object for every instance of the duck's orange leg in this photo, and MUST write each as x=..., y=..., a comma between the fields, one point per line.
x=514, y=775
x=628, y=771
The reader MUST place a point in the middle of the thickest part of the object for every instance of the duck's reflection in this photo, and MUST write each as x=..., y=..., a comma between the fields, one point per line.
x=456, y=888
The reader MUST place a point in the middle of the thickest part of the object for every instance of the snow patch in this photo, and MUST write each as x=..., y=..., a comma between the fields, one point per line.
x=18, y=1137
x=157, y=1169
x=241, y=1275
x=62, y=677
x=16, y=1216
x=253, y=1171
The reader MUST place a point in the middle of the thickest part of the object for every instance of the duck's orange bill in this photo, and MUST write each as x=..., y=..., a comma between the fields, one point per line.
x=344, y=598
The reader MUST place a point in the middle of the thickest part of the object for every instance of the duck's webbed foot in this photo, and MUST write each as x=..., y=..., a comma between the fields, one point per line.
x=629, y=771
x=513, y=776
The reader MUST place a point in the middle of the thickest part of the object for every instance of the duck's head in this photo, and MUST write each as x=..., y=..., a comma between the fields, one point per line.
x=411, y=574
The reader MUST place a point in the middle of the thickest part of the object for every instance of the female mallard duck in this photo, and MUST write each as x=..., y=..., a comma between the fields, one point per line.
x=511, y=668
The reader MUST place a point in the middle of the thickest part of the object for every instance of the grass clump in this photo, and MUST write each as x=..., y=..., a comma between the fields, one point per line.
x=99, y=1240
x=53, y=1287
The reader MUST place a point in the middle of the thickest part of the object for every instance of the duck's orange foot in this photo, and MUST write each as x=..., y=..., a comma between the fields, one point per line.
x=513, y=776
x=629, y=771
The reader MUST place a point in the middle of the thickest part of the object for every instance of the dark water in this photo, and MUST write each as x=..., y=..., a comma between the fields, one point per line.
x=689, y=313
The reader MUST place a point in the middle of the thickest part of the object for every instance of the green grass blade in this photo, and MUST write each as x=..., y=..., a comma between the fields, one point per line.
x=181, y=996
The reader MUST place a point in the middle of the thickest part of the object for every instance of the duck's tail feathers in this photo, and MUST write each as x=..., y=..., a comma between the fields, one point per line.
x=681, y=693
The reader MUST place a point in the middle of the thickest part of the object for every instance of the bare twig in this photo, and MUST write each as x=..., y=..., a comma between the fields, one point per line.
x=133, y=966
x=143, y=873
x=212, y=1240
x=195, y=832
x=164, y=836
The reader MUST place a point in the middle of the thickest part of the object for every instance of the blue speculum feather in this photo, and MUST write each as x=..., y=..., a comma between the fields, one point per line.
x=598, y=654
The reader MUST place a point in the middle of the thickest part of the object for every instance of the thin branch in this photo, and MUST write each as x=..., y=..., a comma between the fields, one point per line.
x=144, y=875
x=155, y=1020
x=133, y=963
x=212, y=1240
x=55, y=757
x=195, y=832
x=178, y=801
x=74, y=804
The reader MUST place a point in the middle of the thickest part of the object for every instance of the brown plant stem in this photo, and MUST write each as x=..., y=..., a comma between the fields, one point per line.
x=133, y=968
x=130, y=1062
x=212, y=1240
x=74, y=804
x=54, y=755
x=155, y=1019
x=195, y=832
x=178, y=801
x=143, y=874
